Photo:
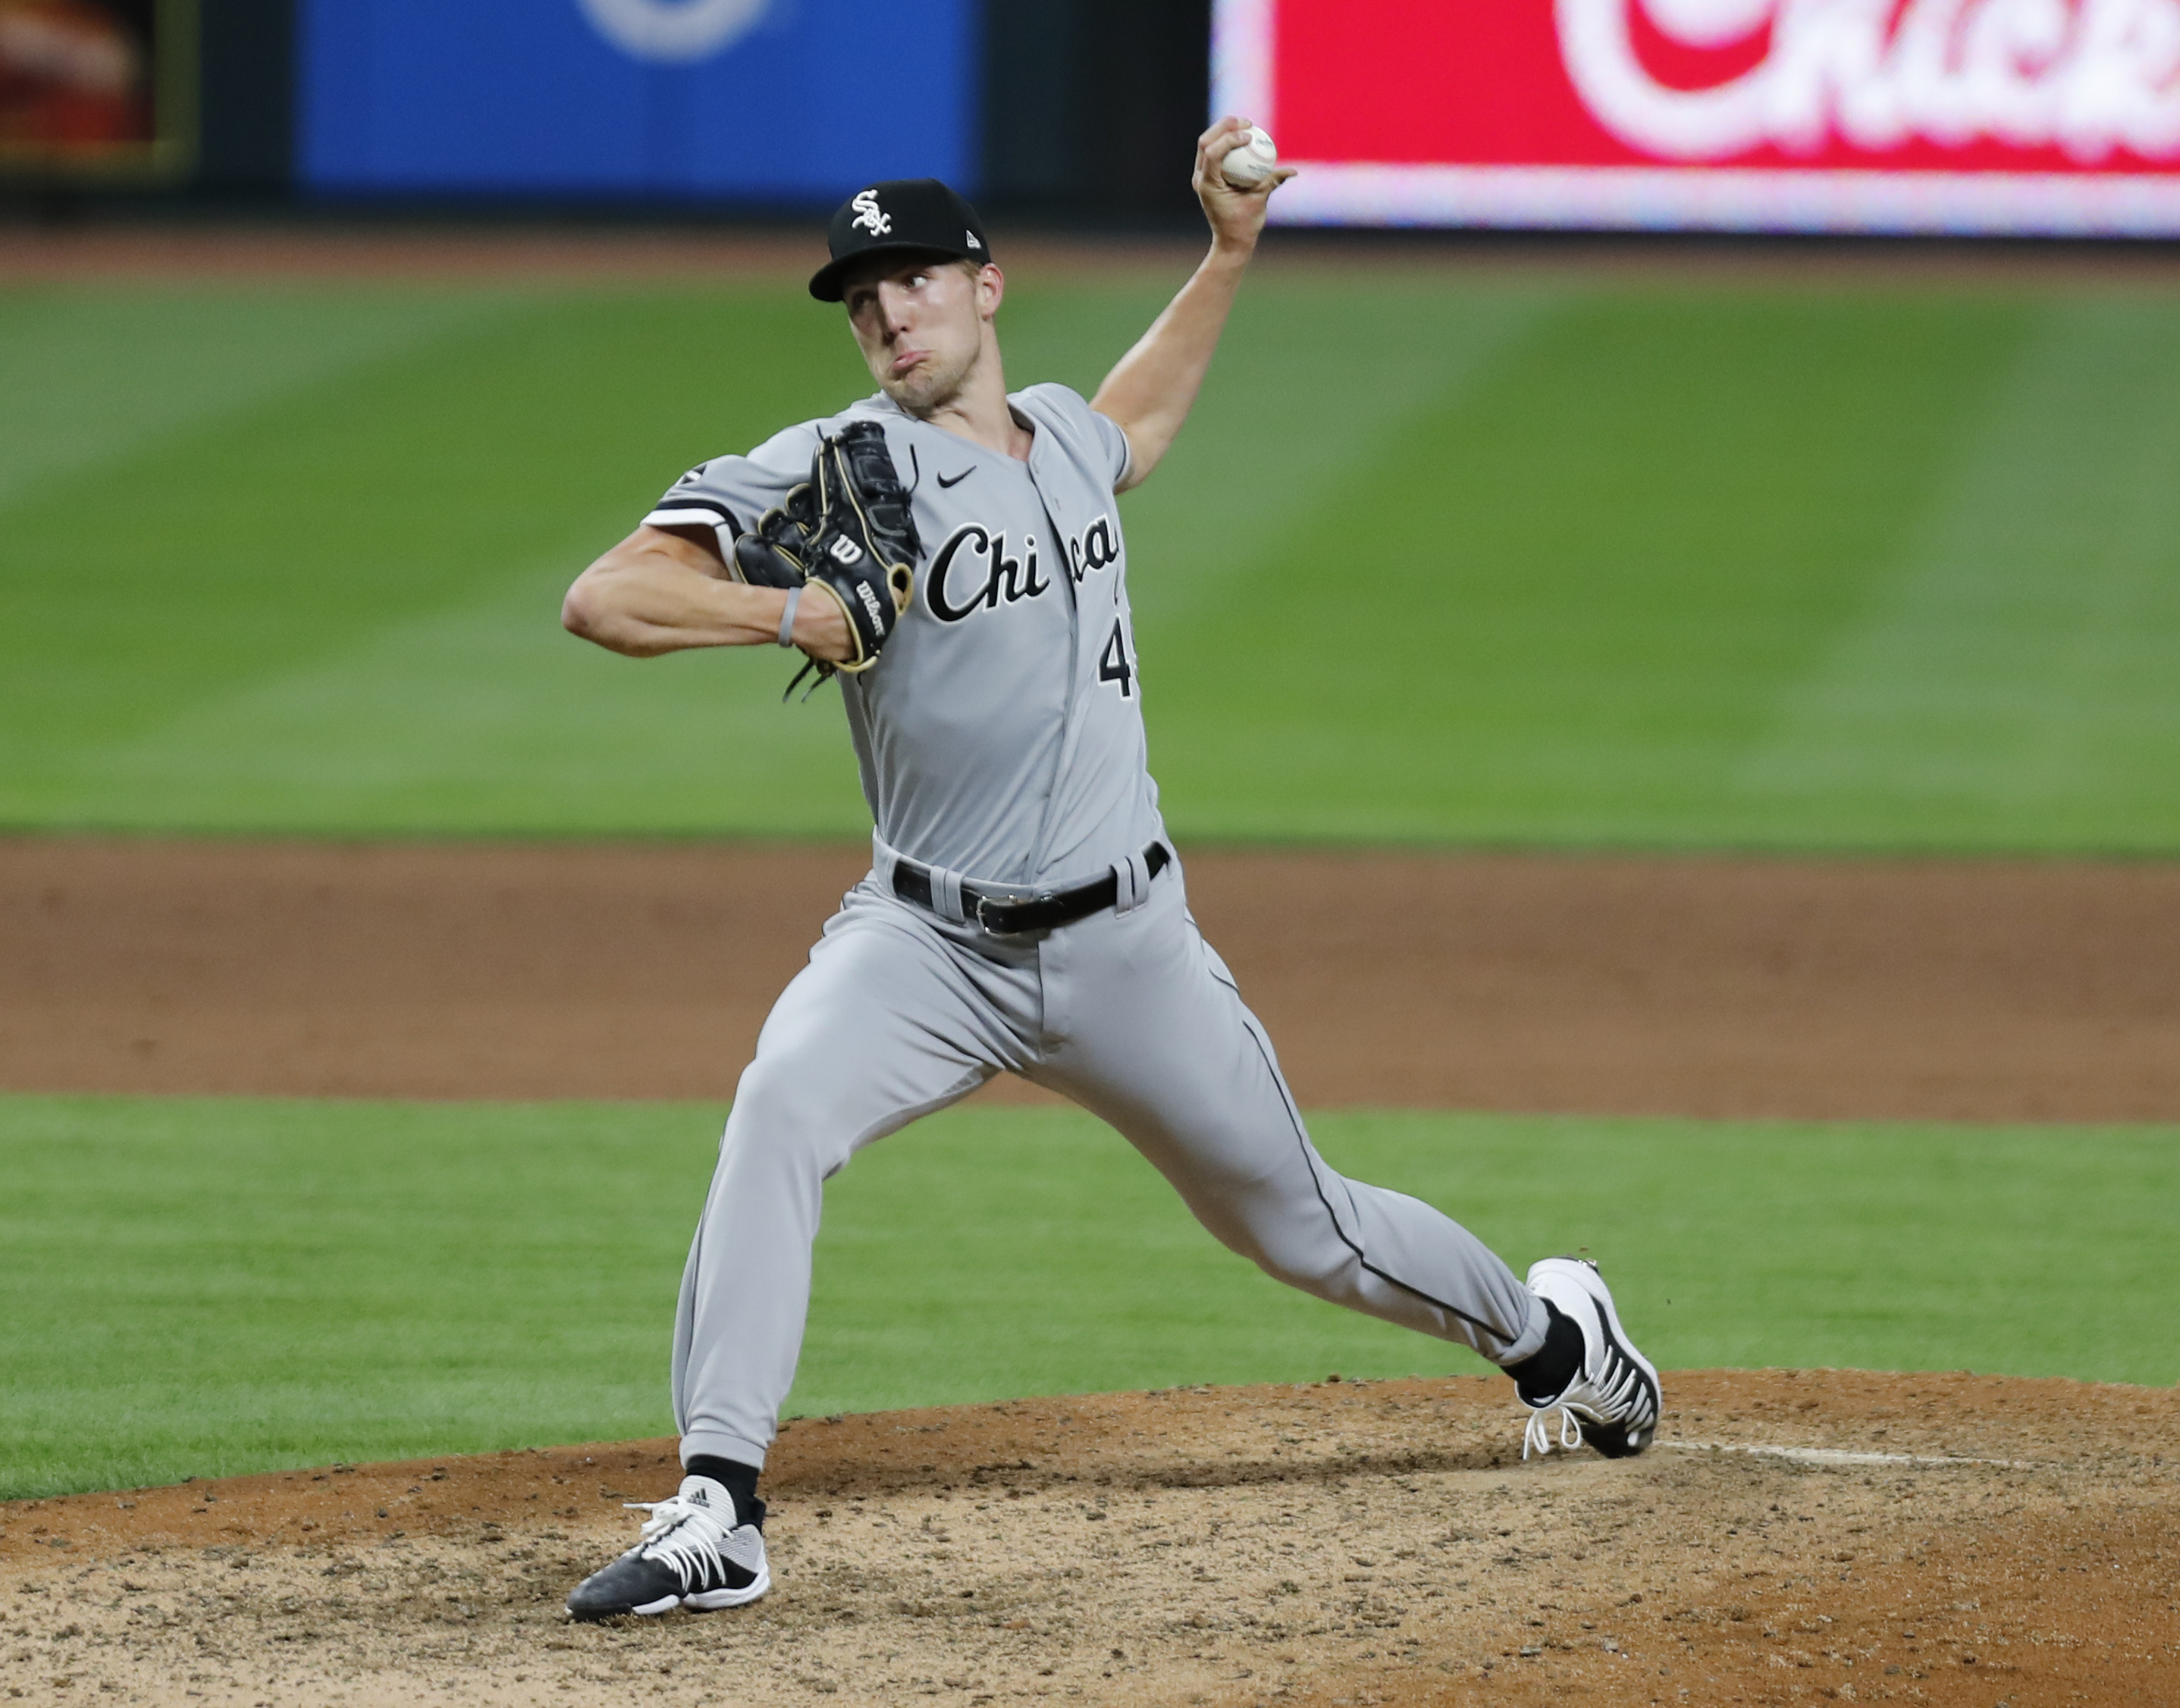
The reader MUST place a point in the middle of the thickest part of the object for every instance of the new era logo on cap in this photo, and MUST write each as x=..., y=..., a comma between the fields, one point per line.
x=906, y=217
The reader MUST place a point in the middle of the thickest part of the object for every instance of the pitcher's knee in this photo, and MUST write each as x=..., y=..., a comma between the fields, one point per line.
x=1304, y=1251
x=1327, y=1270
x=788, y=1119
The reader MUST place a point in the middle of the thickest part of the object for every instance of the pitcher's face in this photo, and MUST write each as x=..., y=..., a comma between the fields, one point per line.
x=922, y=325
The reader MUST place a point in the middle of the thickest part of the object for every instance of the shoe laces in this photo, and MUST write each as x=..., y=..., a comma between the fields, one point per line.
x=1618, y=1396
x=682, y=1536
x=1621, y=1396
x=1539, y=1433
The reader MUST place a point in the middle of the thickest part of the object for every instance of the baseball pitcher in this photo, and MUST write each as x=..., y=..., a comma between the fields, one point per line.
x=951, y=554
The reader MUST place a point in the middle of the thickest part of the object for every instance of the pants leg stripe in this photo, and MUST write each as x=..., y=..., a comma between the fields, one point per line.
x=1302, y=1138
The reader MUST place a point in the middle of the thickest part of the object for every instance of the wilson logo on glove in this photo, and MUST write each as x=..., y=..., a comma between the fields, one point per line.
x=847, y=532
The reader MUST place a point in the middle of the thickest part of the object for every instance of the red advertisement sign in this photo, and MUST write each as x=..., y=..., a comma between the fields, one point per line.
x=98, y=88
x=2031, y=116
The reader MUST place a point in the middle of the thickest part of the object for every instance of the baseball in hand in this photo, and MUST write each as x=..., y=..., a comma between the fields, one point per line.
x=1250, y=164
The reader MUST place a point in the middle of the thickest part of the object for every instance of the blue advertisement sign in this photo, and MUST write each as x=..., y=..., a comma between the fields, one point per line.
x=786, y=100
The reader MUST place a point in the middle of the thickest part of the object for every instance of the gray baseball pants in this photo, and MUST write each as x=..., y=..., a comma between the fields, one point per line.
x=1130, y=1013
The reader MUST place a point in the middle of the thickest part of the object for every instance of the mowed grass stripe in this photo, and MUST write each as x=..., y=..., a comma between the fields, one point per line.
x=1584, y=584
x=1976, y=673
x=201, y=1287
x=1563, y=562
x=92, y=376
x=290, y=535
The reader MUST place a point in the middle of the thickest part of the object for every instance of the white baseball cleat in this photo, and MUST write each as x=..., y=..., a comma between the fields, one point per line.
x=693, y=1554
x=1613, y=1402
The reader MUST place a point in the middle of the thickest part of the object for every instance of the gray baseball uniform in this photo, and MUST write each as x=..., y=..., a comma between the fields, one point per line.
x=1000, y=737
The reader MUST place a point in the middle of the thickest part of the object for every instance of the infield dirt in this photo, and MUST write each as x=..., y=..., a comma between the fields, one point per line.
x=1986, y=990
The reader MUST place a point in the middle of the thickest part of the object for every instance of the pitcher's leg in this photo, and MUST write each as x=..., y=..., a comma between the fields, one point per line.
x=1159, y=1042
x=881, y=1027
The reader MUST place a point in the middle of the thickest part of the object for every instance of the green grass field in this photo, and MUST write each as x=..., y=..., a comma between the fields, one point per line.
x=1561, y=560
x=207, y=1287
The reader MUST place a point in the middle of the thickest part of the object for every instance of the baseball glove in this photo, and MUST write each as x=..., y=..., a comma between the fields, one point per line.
x=847, y=531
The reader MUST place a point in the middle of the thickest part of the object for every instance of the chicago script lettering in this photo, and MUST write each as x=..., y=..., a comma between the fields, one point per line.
x=1099, y=548
x=953, y=591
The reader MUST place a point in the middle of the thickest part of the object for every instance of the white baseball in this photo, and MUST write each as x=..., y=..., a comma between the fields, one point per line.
x=1249, y=165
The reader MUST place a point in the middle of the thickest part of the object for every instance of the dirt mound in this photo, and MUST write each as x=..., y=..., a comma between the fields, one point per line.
x=1795, y=1535
x=1700, y=986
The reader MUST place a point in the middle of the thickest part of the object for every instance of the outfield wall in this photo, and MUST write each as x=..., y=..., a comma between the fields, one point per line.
x=1072, y=110
x=1944, y=116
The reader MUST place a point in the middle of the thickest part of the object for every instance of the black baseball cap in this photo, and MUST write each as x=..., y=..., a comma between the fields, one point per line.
x=903, y=216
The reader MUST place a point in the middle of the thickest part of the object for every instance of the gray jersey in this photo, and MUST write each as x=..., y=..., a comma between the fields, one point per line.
x=1000, y=734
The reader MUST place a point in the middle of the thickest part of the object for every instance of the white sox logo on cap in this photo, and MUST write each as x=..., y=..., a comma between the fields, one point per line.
x=868, y=214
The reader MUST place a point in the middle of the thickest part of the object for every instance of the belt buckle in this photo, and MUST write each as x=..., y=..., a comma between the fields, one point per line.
x=984, y=902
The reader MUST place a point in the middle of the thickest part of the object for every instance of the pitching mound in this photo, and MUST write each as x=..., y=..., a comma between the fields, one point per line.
x=1794, y=1536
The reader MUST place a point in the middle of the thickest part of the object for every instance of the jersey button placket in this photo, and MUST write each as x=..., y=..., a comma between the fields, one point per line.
x=1067, y=580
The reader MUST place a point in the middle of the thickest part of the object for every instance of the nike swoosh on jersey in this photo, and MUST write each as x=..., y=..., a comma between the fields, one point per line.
x=957, y=479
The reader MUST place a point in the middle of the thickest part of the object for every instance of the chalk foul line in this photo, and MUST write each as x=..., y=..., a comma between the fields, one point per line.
x=1840, y=1456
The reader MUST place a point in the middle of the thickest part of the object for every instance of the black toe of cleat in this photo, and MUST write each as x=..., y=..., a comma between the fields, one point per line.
x=631, y=1585
x=1614, y=1441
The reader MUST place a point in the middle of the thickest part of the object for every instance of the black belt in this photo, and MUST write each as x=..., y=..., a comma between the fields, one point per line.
x=1009, y=915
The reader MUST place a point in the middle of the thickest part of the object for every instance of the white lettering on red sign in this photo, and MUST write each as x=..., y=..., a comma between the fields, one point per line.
x=2090, y=77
